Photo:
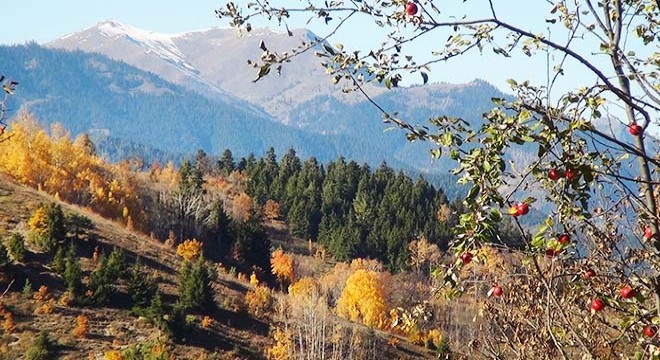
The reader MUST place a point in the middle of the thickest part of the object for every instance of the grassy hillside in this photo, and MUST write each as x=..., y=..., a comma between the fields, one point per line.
x=233, y=333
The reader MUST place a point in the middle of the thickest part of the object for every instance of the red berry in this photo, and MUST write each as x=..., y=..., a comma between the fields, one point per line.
x=589, y=273
x=497, y=290
x=627, y=292
x=466, y=257
x=411, y=8
x=648, y=232
x=634, y=129
x=550, y=253
x=554, y=174
x=523, y=208
x=564, y=239
x=649, y=331
x=571, y=174
x=597, y=305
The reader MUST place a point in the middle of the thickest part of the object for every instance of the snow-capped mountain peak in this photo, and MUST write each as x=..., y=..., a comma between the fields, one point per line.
x=160, y=44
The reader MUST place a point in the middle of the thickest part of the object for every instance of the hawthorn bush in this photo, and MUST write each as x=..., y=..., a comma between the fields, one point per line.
x=594, y=177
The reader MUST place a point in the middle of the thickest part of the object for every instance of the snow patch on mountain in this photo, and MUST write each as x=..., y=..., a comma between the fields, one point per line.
x=161, y=45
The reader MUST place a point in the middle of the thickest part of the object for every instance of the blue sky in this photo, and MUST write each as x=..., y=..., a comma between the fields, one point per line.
x=44, y=20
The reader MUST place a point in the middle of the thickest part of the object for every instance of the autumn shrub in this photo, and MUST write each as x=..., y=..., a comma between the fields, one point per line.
x=41, y=294
x=254, y=281
x=206, y=322
x=82, y=327
x=16, y=247
x=271, y=209
x=9, y=326
x=259, y=301
x=242, y=207
x=113, y=355
x=46, y=308
x=305, y=288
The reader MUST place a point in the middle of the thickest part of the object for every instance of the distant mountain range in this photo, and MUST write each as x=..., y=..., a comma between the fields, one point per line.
x=163, y=95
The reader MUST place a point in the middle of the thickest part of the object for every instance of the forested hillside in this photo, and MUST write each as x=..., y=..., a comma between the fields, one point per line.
x=217, y=249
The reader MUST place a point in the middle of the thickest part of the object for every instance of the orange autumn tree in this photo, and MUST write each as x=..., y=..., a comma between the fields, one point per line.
x=272, y=209
x=283, y=266
x=242, y=207
x=364, y=299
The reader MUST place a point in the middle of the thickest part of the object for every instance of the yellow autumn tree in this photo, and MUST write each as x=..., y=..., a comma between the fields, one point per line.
x=189, y=249
x=283, y=266
x=38, y=222
x=281, y=350
x=69, y=170
x=304, y=289
x=364, y=299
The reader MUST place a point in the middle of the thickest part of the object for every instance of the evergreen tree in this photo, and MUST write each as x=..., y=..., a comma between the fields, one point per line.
x=4, y=257
x=251, y=243
x=226, y=163
x=141, y=288
x=195, y=285
x=59, y=262
x=219, y=234
x=16, y=247
x=73, y=274
x=103, y=278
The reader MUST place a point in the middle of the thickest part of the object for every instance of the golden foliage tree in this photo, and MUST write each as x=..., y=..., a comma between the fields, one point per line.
x=69, y=170
x=364, y=299
x=304, y=288
x=189, y=249
x=38, y=222
x=281, y=350
x=259, y=301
